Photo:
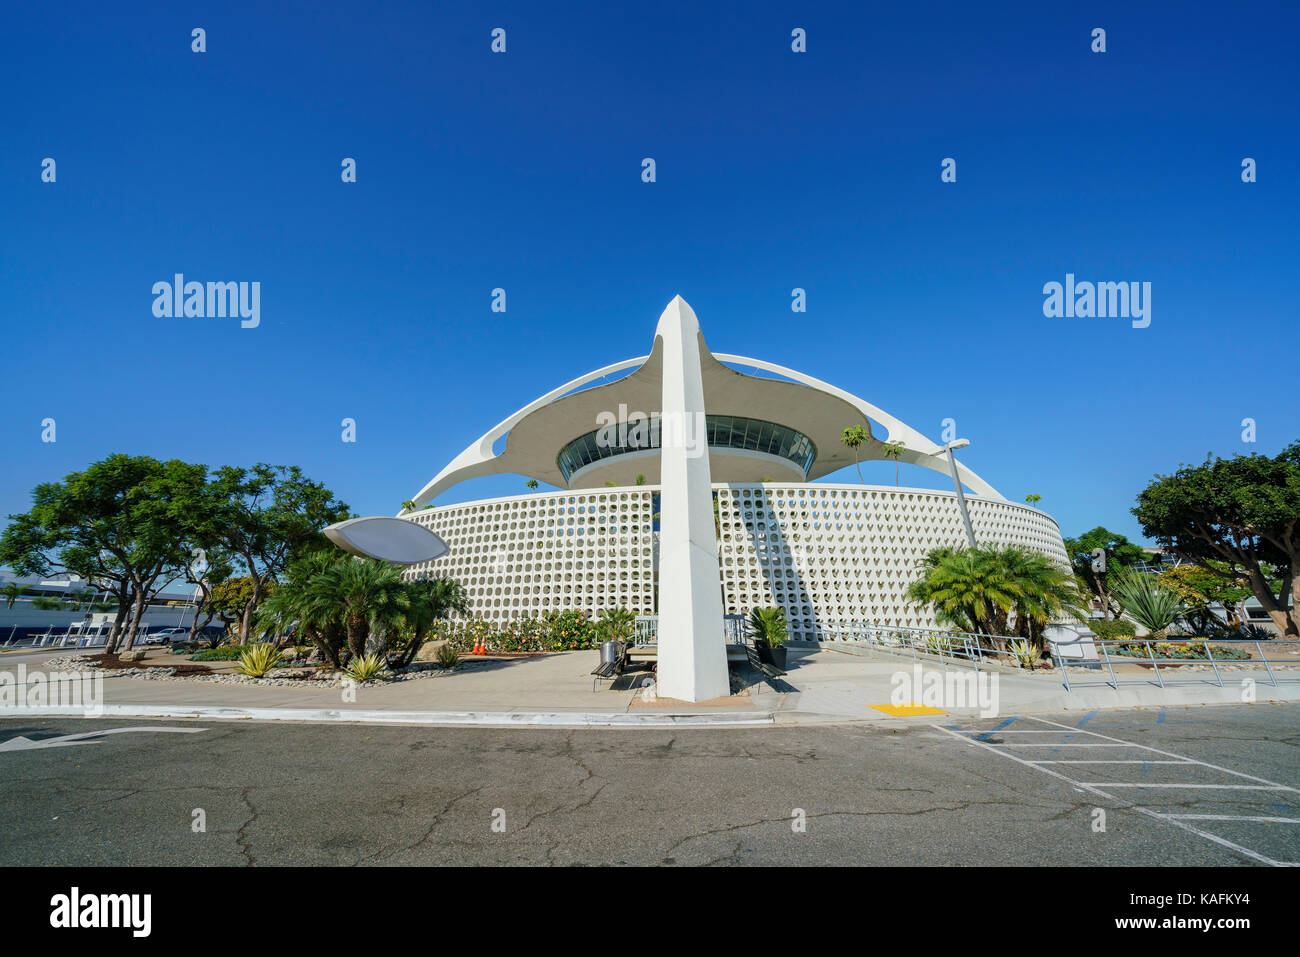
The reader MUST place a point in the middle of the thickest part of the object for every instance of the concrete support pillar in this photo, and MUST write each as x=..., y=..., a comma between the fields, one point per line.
x=692, y=645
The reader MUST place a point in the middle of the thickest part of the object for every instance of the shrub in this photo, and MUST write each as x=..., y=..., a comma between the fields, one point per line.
x=1192, y=651
x=557, y=631
x=224, y=653
x=938, y=645
x=568, y=630
x=1113, y=629
x=768, y=626
x=616, y=624
x=366, y=667
x=258, y=659
x=1154, y=606
x=448, y=656
x=1027, y=655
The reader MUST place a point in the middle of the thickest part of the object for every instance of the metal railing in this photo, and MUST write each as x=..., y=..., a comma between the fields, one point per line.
x=1103, y=645
x=647, y=630
x=962, y=647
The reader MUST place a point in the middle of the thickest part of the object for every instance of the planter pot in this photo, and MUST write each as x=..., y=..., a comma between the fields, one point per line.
x=611, y=651
x=776, y=656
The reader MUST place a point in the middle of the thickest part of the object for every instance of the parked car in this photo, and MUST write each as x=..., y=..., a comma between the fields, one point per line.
x=166, y=636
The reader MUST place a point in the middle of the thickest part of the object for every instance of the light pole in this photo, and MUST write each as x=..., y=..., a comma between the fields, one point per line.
x=956, y=481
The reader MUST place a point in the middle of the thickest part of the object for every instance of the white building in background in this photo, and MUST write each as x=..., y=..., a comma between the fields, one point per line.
x=826, y=553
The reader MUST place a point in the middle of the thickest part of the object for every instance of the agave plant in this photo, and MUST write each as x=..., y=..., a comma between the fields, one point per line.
x=1152, y=605
x=256, y=660
x=1027, y=655
x=365, y=667
x=448, y=655
x=769, y=626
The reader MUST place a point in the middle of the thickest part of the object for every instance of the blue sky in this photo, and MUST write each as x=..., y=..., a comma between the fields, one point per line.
x=522, y=171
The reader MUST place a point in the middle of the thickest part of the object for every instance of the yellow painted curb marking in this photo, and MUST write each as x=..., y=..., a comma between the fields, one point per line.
x=906, y=710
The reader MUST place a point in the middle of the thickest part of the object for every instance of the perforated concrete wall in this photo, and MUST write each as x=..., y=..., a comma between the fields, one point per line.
x=523, y=556
x=844, y=553
x=825, y=553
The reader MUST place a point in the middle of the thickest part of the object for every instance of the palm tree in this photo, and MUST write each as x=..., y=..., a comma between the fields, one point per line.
x=12, y=591
x=370, y=596
x=892, y=450
x=531, y=483
x=853, y=438
x=1033, y=499
x=1044, y=591
x=768, y=626
x=429, y=600
x=985, y=590
x=302, y=603
x=616, y=624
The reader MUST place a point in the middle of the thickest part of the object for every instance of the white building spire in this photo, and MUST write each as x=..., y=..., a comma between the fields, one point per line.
x=692, y=645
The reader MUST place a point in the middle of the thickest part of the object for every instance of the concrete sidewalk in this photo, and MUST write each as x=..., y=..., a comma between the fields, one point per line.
x=822, y=686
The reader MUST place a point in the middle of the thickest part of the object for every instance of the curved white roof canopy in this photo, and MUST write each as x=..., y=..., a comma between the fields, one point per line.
x=537, y=432
x=390, y=539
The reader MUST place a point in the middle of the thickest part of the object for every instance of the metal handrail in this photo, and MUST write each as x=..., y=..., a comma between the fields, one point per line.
x=958, y=645
x=1148, y=643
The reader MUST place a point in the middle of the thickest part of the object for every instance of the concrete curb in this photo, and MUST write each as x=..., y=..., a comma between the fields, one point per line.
x=552, y=719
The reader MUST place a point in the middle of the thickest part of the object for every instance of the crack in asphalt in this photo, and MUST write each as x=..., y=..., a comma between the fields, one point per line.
x=428, y=833
x=246, y=847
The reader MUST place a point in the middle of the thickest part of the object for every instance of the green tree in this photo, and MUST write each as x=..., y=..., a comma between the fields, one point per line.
x=12, y=591
x=122, y=524
x=210, y=568
x=1200, y=588
x=893, y=450
x=303, y=605
x=429, y=600
x=990, y=591
x=1033, y=499
x=263, y=516
x=371, y=599
x=532, y=484
x=227, y=600
x=1121, y=554
x=854, y=437
x=1242, y=513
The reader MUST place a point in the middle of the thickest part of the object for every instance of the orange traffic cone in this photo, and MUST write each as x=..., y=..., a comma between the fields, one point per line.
x=479, y=647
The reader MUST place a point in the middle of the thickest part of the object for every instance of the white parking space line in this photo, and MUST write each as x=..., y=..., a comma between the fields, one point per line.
x=1058, y=744
x=1152, y=784
x=1170, y=754
x=1101, y=761
x=973, y=737
x=1235, y=817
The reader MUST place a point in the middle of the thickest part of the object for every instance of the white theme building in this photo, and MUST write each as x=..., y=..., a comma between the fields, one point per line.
x=691, y=426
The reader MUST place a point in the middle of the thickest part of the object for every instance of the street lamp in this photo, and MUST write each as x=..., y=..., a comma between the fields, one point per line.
x=961, y=494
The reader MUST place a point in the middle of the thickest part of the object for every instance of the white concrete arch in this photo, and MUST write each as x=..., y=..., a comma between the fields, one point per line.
x=536, y=433
x=917, y=449
x=478, y=459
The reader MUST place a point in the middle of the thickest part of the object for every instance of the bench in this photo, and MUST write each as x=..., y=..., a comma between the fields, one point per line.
x=609, y=670
x=769, y=672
